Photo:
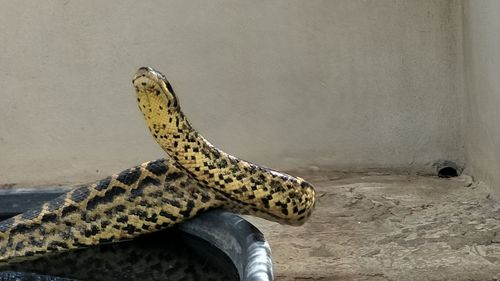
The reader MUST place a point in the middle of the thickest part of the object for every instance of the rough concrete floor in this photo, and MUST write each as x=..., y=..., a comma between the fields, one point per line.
x=391, y=227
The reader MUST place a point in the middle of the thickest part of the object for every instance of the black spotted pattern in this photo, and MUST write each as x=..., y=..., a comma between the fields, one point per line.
x=68, y=210
x=51, y=217
x=189, y=208
x=80, y=194
x=168, y=215
x=22, y=228
x=157, y=167
x=148, y=181
x=108, y=197
x=103, y=184
x=6, y=224
x=56, y=203
x=129, y=176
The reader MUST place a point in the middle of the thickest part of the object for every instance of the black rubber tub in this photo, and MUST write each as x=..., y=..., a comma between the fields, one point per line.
x=217, y=245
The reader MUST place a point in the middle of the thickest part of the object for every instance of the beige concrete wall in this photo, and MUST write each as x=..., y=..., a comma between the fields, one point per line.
x=343, y=84
x=482, y=64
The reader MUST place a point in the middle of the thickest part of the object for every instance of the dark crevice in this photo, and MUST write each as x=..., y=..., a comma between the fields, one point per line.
x=447, y=172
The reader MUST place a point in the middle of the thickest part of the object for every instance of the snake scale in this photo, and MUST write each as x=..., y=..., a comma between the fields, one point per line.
x=157, y=194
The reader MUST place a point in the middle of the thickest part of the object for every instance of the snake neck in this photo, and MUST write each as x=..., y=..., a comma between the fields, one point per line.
x=252, y=188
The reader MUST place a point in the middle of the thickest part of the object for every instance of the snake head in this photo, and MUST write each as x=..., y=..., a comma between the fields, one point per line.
x=152, y=86
x=158, y=103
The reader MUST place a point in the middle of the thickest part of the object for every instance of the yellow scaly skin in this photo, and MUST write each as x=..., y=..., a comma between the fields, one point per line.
x=251, y=188
x=143, y=199
x=156, y=194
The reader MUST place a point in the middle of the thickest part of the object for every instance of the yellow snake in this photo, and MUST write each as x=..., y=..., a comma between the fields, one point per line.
x=157, y=194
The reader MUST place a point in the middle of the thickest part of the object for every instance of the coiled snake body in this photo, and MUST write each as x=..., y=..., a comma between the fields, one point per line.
x=157, y=194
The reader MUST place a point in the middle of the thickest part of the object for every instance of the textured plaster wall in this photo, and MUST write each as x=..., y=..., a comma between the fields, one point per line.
x=289, y=84
x=482, y=65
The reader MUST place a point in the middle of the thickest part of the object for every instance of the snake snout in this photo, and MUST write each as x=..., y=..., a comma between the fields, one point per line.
x=145, y=68
x=147, y=77
x=146, y=73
